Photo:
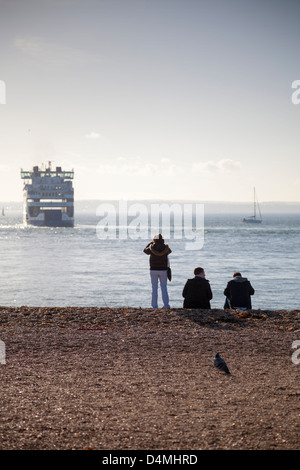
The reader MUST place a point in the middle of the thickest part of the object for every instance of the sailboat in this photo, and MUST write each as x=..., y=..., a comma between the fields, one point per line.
x=3, y=213
x=253, y=219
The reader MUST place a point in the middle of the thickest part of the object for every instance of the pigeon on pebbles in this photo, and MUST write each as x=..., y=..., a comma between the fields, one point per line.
x=220, y=364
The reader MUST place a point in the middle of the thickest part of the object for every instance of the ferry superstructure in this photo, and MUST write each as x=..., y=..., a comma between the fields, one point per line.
x=48, y=197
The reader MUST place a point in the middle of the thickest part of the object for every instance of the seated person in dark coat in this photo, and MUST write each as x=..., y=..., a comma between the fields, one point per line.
x=238, y=292
x=197, y=292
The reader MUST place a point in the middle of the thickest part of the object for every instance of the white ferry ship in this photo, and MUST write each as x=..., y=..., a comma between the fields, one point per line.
x=48, y=197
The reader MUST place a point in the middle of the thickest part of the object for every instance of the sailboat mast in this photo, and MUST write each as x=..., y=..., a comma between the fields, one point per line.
x=253, y=218
x=259, y=209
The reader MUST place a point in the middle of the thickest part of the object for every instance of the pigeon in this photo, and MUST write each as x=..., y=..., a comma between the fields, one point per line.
x=220, y=364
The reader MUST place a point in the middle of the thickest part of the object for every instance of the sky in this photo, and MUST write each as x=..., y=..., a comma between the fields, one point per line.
x=152, y=99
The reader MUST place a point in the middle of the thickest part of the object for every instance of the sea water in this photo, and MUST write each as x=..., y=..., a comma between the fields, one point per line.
x=75, y=267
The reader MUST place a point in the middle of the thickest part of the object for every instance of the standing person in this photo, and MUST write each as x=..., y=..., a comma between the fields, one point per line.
x=158, y=252
x=238, y=292
x=197, y=291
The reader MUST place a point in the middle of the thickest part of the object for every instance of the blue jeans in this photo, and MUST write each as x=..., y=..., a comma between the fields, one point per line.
x=163, y=279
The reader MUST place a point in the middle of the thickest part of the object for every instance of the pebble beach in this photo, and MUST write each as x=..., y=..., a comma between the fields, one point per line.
x=87, y=378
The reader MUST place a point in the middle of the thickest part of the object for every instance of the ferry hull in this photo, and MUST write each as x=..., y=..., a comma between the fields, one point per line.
x=39, y=223
x=48, y=197
x=53, y=218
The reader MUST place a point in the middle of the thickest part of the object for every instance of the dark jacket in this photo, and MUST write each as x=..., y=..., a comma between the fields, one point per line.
x=158, y=252
x=238, y=291
x=197, y=293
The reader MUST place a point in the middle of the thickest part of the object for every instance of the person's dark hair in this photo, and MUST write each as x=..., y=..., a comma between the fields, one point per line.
x=236, y=274
x=198, y=271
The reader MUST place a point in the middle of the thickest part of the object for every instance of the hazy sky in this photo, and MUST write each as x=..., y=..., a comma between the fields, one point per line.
x=180, y=99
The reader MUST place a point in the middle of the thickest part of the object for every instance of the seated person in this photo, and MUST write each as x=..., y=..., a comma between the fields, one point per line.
x=238, y=292
x=197, y=292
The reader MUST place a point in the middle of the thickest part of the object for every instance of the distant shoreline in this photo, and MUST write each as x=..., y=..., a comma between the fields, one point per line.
x=211, y=207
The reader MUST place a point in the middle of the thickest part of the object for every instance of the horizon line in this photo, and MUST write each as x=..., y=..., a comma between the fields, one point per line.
x=169, y=200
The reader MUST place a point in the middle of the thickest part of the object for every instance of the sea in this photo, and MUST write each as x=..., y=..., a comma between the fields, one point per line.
x=90, y=265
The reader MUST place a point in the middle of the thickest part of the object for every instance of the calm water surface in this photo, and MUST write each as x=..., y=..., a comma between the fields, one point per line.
x=72, y=266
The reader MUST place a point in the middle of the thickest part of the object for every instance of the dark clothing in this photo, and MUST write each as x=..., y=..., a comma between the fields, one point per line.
x=158, y=252
x=197, y=293
x=238, y=291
